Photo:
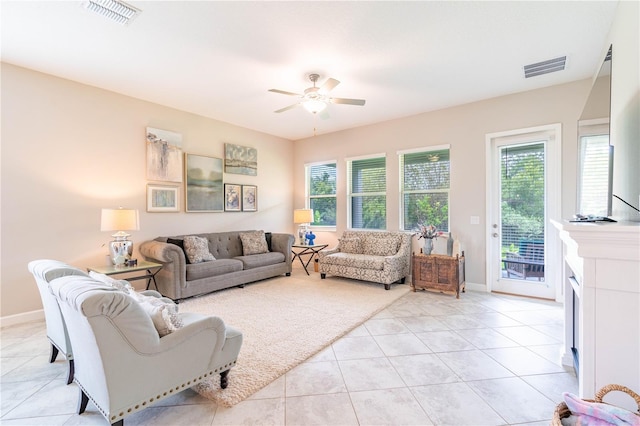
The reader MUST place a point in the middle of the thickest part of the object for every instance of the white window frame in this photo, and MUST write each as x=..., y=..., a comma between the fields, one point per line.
x=350, y=195
x=402, y=192
x=308, y=196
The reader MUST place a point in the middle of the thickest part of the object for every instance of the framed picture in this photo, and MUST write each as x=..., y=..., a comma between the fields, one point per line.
x=240, y=160
x=232, y=197
x=164, y=155
x=204, y=191
x=162, y=199
x=249, y=198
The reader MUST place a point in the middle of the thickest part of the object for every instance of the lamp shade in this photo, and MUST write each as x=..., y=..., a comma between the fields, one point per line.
x=119, y=220
x=314, y=105
x=303, y=216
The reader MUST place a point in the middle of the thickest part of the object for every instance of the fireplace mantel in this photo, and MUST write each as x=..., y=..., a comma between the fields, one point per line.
x=603, y=262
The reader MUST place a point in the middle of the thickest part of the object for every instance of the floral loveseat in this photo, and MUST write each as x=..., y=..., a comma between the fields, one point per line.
x=381, y=257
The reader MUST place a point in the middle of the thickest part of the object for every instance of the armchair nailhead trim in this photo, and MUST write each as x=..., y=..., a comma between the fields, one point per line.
x=114, y=418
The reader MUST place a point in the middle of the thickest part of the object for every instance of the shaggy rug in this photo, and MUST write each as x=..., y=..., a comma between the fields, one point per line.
x=284, y=321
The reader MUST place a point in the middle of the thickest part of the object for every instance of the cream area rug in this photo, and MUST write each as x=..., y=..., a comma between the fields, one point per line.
x=284, y=321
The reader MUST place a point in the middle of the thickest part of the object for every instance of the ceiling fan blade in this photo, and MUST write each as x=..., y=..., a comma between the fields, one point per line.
x=359, y=102
x=328, y=86
x=282, y=92
x=287, y=108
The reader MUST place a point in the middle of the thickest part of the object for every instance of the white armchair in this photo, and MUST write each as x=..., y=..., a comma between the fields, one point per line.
x=122, y=364
x=44, y=271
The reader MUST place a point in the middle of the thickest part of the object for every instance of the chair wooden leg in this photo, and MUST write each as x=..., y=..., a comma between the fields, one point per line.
x=82, y=402
x=71, y=370
x=224, y=379
x=54, y=353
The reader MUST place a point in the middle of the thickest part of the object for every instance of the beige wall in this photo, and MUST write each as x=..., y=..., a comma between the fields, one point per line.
x=464, y=129
x=69, y=150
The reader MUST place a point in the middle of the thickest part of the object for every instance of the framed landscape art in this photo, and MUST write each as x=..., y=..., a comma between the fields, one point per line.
x=240, y=160
x=232, y=197
x=204, y=191
x=249, y=198
x=162, y=199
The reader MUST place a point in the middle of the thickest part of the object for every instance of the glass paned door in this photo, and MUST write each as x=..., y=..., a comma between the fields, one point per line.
x=519, y=218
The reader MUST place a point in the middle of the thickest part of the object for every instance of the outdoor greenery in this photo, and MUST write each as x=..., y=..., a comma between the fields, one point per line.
x=522, y=195
x=323, y=194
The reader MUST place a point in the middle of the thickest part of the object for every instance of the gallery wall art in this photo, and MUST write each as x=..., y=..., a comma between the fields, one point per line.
x=204, y=188
x=163, y=199
x=164, y=155
x=240, y=160
x=249, y=198
x=232, y=197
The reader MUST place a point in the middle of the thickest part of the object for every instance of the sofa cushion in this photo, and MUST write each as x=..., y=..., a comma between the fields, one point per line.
x=253, y=242
x=380, y=244
x=197, y=249
x=362, y=261
x=350, y=245
x=263, y=259
x=180, y=243
x=213, y=268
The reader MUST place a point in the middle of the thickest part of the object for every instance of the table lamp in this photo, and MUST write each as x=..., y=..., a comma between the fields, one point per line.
x=120, y=220
x=303, y=217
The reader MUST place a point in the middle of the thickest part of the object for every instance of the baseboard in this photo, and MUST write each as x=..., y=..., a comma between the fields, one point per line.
x=21, y=318
x=476, y=287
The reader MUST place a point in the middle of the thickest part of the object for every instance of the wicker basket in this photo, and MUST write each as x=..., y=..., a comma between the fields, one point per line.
x=562, y=411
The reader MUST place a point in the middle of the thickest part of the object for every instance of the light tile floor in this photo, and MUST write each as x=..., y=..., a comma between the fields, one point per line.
x=428, y=359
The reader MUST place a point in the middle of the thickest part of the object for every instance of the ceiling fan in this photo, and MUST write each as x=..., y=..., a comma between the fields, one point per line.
x=315, y=99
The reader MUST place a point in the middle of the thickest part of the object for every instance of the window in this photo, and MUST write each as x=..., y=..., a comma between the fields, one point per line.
x=424, y=188
x=367, y=192
x=595, y=169
x=321, y=190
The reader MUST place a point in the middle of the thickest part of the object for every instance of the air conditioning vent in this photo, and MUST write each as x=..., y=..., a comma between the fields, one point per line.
x=117, y=11
x=545, y=67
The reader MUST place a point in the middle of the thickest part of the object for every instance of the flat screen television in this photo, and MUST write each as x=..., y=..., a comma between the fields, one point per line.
x=595, y=152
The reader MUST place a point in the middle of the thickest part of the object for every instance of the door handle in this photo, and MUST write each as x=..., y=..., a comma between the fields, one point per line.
x=495, y=235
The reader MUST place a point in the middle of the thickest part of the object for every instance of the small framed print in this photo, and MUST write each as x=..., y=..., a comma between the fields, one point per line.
x=162, y=198
x=249, y=198
x=232, y=197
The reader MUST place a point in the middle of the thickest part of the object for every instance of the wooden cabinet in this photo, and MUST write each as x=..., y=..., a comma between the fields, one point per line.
x=438, y=272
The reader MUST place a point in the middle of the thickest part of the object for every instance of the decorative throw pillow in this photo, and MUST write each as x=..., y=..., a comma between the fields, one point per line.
x=197, y=249
x=253, y=242
x=350, y=245
x=180, y=243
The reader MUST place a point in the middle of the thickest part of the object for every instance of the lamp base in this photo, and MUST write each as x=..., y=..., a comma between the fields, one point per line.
x=120, y=251
x=302, y=234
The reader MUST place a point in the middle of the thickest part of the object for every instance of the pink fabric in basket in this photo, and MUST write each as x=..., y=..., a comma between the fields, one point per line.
x=599, y=414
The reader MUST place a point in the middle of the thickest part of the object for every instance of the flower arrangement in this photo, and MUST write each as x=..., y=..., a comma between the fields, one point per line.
x=428, y=232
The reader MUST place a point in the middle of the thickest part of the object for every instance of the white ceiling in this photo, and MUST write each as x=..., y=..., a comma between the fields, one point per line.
x=218, y=59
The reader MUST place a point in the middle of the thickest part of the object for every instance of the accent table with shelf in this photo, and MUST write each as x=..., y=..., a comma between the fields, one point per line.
x=438, y=272
x=150, y=270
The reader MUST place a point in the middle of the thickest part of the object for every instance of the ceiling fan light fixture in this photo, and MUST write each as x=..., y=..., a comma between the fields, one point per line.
x=314, y=106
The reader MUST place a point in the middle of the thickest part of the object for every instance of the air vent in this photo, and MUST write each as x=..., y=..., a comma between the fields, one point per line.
x=117, y=11
x=545, y=67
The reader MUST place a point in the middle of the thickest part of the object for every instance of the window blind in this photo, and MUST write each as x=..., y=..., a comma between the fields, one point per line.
x=367, y=186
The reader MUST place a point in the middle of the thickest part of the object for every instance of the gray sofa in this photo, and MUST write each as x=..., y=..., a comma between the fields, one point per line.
x=380, y=257
x=179, y=279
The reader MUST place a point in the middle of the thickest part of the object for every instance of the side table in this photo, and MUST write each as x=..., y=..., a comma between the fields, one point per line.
x=438, y=272
x=312, y=251
x=149, y=269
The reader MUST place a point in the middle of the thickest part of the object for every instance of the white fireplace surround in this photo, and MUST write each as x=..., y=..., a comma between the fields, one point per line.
x=604, y=259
